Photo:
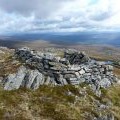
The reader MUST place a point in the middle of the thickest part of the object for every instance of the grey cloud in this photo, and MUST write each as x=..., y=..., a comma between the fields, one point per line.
x=41, y=8
x=49, y=15
x=101, y=16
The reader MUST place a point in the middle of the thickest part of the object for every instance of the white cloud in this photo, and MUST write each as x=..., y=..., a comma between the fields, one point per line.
x=13, y=22
x=64, y=15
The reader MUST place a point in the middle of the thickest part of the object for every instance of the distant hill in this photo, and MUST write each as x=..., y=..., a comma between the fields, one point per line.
x=110, y=38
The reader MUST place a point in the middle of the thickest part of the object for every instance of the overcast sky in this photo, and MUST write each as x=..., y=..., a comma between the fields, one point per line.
x=59, y=15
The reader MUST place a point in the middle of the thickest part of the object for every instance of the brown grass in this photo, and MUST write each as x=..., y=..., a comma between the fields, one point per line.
x=117, y=71
x=8, y=64
x=54, y=103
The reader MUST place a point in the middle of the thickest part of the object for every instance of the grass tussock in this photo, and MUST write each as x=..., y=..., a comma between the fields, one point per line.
x=112, y=96
x=57, y=103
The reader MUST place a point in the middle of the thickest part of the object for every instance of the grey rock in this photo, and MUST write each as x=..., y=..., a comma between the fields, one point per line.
x=14, y=81
x=64, y=81
x=98, y=63
x=95, y=70
x=29, y=79
x=74, y=68
x=106, y=117
x=47, y=81
x=88, y=74
x=48, y=56
x=74, y=81
x=52, y=81
x=104, y=83
x=87, y=70
x=68, y=72
x=76, y=57
x=46, y=66
x=64, y=61
x=24, y=78
x=102, y=70
x=67, y=76
x=109, y=68
x=94, y=88
x=81, y=80
x=108, y=73
x=81, y=72
x=39, y=80
x=34, y=79
x=77, y=74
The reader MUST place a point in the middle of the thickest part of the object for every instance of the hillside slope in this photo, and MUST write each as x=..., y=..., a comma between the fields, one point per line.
x=66, y=102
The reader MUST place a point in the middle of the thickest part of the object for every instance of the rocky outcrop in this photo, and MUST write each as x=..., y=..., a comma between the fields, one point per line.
x=24, y=78
x=75, y=57
x=46, y=68
x=13, y=81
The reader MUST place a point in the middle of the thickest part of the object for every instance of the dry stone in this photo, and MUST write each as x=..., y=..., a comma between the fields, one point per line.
x=75, y=68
